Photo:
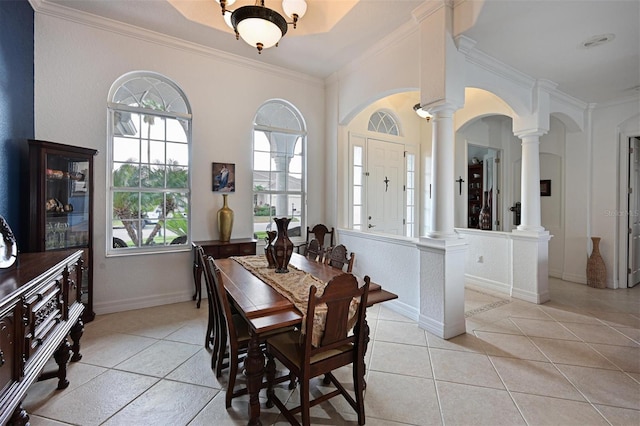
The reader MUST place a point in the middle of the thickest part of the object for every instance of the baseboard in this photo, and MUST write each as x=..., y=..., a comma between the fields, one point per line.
x=142, y=302
x=486, y=284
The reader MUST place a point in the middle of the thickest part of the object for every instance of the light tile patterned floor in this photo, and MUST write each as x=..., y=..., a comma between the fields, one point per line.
x=572, y=361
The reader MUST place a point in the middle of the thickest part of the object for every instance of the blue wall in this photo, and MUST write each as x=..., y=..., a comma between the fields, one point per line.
x=16, y=111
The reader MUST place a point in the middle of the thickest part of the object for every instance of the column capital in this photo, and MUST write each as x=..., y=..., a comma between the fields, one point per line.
x=529, y=133
x=445, y=109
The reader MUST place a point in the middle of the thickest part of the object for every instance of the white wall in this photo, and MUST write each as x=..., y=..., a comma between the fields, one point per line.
x=604, y=168
x=391, y=261
x=75, y=65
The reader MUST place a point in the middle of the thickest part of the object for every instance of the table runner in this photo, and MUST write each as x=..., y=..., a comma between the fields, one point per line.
x=295, y=286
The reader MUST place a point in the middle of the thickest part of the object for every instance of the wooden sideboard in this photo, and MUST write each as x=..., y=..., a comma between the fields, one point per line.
x=40, y=305
x=219, y=250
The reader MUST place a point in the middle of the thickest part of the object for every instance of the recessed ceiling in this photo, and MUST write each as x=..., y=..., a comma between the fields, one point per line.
x=321, y=16
x=542, y=39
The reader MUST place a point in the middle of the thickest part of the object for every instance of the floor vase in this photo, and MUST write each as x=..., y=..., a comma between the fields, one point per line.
x=596, y=270
x=225, y=220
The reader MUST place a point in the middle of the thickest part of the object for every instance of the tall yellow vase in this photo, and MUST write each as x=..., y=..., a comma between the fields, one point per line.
x=225, y=220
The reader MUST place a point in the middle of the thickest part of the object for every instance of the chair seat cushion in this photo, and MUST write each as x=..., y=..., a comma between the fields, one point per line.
x=288, y=344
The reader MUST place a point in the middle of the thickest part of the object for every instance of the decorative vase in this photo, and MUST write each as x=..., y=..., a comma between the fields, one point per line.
x=484, y=219
x=596, y=270
x=225, y=220
x=268, y=252
x=282, y=247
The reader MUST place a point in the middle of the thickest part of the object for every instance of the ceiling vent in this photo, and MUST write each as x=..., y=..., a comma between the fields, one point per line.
x=597, y=40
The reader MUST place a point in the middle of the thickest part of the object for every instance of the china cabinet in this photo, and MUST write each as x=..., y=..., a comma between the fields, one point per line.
x=61, y=205
x=475, y=194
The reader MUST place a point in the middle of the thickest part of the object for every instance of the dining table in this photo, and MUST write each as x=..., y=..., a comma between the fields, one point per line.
x=266, y=309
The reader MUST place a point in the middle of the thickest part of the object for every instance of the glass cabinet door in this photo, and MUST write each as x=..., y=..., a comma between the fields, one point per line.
x=61, y=204
x=67, y=192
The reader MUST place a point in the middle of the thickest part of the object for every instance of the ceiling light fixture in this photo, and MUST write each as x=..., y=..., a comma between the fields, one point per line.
x=260, y=26
x=422, y=113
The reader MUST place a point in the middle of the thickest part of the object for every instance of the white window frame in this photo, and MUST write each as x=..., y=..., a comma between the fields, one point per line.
x=175, y=106
x=270, y=130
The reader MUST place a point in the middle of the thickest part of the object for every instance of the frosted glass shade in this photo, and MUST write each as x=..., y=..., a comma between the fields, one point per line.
x=227, y=18
x=257, y=30
x=294, y=7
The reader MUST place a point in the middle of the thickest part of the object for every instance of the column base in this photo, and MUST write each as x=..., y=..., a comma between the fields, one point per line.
x=530, y=268
x=442, y=263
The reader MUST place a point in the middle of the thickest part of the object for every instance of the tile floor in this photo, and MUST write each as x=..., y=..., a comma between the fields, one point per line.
x=572, y=361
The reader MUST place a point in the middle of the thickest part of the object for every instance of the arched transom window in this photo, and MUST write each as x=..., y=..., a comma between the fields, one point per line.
x=383, y=122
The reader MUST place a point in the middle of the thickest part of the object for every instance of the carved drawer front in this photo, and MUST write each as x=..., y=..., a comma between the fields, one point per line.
x=237, y=250
x=213, y=251
x=74, y=281
x=44, y=313
x=7, y=351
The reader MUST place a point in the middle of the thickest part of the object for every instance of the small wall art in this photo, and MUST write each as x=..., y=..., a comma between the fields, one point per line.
x=223, y=177
x=545, y=188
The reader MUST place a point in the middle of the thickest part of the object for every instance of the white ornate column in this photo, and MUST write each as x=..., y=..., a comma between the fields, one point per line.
x=530, y=183
x=442, y=173
x=530, y=242
x=442, y=253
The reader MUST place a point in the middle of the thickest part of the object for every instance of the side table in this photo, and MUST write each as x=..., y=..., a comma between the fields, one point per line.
x=219, y=250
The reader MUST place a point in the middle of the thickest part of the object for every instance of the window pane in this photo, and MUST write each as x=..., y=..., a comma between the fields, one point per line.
x=177, y=177
x=177, y=130
x=279, y=181
x=177, y=153
x=295, y=165
x=126, y=175
x=357, y=156
x=357, y=215
x=126, y=149
x=261, y=181
x=262, y=161
x=155, y=125
x=357, y=195
x=298, y=148
x=261, y=142
x=295, y=182
x=357, y=175
x=153, y=176
x=153, y=152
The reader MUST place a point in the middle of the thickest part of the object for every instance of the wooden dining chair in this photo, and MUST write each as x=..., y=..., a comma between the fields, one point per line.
x=314, y=251
x=216, y=329
x=337, y=257
x=234, y=335
x=337, y=348
x=318, y=232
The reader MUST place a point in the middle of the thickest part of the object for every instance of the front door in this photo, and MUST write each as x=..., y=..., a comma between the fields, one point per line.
x=385, y=187
x=634, y=212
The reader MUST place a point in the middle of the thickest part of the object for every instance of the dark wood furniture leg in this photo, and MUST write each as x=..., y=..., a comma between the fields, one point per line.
x=19, y=417
x=197, y=281
x=76, y=333
x=62, y=355
x=254, y=368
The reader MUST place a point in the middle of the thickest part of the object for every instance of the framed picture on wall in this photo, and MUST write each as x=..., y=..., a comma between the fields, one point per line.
x=545, y=188
x=223, y=177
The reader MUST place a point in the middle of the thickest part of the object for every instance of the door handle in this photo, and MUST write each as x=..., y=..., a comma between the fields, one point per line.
x=371, y=226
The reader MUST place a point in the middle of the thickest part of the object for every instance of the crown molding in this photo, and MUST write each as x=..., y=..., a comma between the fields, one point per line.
x=489, y=63
x=44, y=7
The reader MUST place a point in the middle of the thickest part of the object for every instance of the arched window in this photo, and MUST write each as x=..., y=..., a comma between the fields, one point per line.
x=383, y=122
x=279, y=146
x=149, y=159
